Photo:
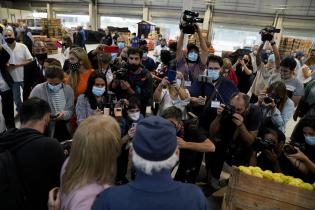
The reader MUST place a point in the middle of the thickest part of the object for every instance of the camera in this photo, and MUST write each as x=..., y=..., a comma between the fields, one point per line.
x=228, y=111
x=289, y=149
x=122, y=74
x=267, y=33
x=263, y=144
x=188, y=22
x=268, y=99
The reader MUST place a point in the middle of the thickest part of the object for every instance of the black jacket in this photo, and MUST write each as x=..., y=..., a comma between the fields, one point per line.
x=38, y=163
x=33, y=75
x=4, y=58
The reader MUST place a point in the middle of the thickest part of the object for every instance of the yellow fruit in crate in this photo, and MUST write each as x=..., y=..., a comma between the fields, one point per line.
x=277, y=179
x=245, y=170
x=255, y=169
x=306, y=186
x=267, y=174
x=257, y=174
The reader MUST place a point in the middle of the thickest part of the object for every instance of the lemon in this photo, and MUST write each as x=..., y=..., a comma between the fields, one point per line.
x=306, y=186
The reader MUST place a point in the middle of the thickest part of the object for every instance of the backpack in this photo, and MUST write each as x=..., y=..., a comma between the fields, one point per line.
x=12, y=193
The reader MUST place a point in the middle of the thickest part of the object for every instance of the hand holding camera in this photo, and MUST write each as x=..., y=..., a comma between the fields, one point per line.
x=237, y=119
x=268, y=32
x=188, y=22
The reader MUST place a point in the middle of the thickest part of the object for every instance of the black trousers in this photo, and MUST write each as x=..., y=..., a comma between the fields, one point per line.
x=8, y=108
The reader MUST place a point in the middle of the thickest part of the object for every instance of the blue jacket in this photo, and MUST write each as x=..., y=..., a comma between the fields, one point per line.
x=157, y=191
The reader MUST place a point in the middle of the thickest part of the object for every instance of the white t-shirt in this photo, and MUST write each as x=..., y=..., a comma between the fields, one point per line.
x=3, y=84
x=167, y=101
x=157, y=52
x=18, y=55
x=2, y=121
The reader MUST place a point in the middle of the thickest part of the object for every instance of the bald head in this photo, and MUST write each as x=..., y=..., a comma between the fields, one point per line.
x=240, y=101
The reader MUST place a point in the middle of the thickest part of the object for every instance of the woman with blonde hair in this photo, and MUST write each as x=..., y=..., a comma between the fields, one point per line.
x=80, y=70
x=228, y=72
x=91, y=166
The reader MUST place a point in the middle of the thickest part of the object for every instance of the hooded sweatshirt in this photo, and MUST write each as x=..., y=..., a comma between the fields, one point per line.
x=38, y=161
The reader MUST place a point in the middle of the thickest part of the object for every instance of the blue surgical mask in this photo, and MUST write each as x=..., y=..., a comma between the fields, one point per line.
x=145, y=55
x=97, y=91
x=121, y=45
x=54, y=88
x=310, y=140
x=193, y=56
x=213, y=74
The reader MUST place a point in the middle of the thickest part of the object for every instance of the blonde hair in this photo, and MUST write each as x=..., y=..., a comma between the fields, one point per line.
x=96, y=146
x=80, y=53
x=227, y=64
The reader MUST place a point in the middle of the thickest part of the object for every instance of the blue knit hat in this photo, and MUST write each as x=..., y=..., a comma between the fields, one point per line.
x=155, y=139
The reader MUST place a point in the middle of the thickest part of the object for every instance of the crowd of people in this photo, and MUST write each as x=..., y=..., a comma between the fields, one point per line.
x=103, y=130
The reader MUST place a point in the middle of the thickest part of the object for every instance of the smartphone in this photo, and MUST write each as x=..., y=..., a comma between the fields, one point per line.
x=106, y=111
x=118, y=112
x=134, y=125
x=171, y=75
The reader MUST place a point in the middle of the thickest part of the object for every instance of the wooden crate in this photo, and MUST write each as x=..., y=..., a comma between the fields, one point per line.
x=252, y=193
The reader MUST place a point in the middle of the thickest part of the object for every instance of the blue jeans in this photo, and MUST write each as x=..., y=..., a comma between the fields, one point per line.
x=17, y=94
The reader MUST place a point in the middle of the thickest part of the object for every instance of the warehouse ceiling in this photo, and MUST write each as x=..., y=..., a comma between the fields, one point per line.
x=170, y=8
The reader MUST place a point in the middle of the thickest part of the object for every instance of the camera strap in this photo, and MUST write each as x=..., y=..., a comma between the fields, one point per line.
x=214, y=93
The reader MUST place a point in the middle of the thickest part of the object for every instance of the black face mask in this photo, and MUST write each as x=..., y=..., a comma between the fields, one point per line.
x=9, y=40
x=41, y=56
x=133, y=67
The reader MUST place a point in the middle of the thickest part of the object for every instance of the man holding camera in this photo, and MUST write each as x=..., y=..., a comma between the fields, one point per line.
x=191, y=63
x=133, y=79
x=235, y=128
x=209, y=91
x=192, y=143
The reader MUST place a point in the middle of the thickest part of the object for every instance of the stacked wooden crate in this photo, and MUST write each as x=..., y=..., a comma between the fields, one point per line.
x=52, y=27
x=289, y=45
x=50, y=42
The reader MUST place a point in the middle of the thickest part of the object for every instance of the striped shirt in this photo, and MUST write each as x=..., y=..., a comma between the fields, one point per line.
x=58, y=101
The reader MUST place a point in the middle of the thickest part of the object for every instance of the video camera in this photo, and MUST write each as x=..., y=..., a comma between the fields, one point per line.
x=267, y=33
x=122, y=74
x=188, y=22
x=263, y=144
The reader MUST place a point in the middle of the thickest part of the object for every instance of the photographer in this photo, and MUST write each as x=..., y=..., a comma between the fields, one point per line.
x=276, y=105
x=268, y=153
x=95, y=98
x=304, y=161
x=192, y=143
x=235, y=128
x=128, y=123
x=207, y=95
x=134, y=79
x=193, y=63
x=174, y=93
x=244, y=69
x=264, y=72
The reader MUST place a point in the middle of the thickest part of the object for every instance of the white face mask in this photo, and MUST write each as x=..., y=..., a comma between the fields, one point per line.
x=134, y=116
x=179, y=82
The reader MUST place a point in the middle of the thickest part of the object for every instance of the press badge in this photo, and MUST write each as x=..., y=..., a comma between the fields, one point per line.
x=215, y=104
x=187, y=83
